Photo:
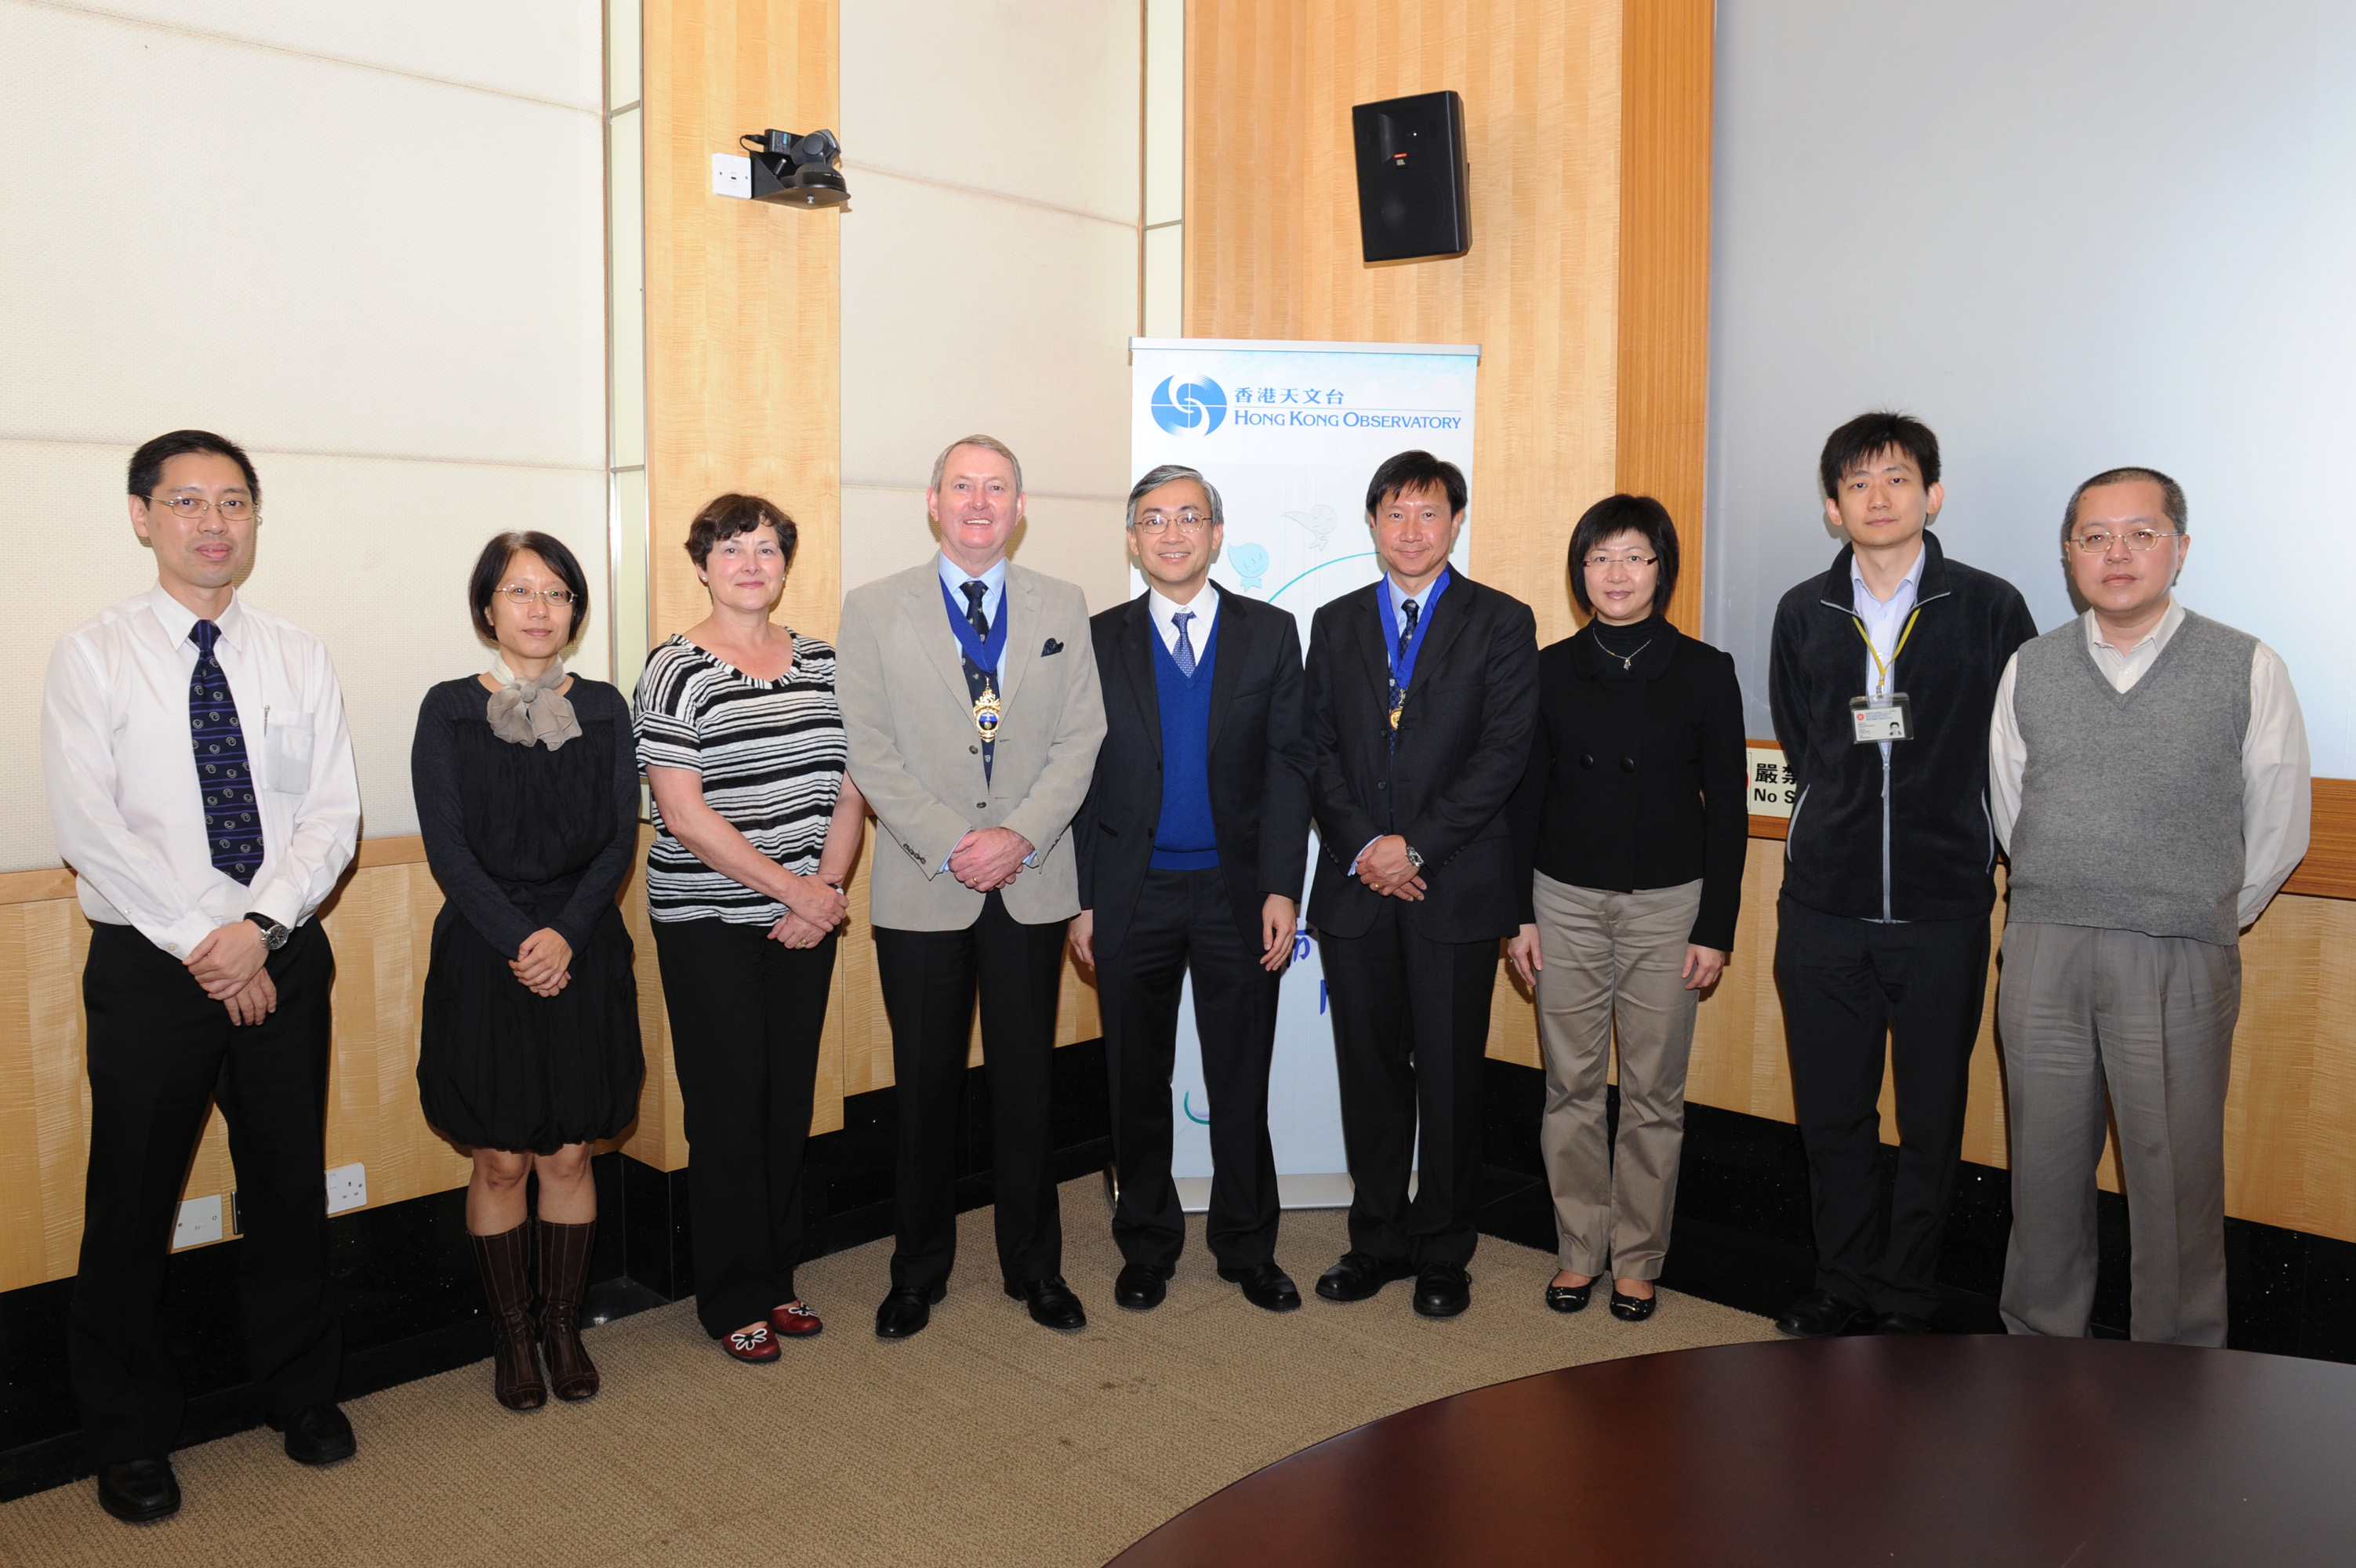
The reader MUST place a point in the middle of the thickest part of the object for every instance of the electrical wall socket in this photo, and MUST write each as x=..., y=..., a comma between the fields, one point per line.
x=199, y=1222
x=731, y=175
x=347, y=1187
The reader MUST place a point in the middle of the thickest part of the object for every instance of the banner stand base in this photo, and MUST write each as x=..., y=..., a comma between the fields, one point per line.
x=1321, y=1191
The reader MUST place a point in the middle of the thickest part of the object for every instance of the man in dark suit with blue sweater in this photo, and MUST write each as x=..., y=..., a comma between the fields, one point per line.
x=1191, y=849
x=1422, y=697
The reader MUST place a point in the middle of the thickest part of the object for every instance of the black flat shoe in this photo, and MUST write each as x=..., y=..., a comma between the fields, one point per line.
x=1051, y=1302
x=906, y=1310
x=1818, y=1314
x=1569, y=1298
x=1900, y=1323
x=1141, y=1288
x=1632, y=1308
x=1266, y=1286
x=317, y=1434
x=1360, y=1276
x=139, y=1491
x=1441, y=1290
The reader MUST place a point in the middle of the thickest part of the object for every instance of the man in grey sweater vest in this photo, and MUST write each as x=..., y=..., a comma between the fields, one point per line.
x=2147, y=769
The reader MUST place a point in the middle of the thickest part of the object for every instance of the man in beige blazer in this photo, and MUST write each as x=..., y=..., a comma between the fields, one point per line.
x=969, y=690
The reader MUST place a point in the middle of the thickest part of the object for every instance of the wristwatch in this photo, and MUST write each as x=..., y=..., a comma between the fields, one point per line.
x=1413, y=858
x=273, y=935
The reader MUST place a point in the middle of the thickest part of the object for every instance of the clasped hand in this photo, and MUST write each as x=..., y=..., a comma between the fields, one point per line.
x=544, y=962
x=987, y=859
x=228, y=964
x=1386, y=868
x=813, y=908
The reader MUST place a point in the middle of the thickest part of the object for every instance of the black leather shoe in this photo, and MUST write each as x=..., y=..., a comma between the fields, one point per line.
x=1441, y=1290
x=1632, y=1308
x=139, y=1491
x=1359, y=1275
x=1818, y=1314
x=1141, y=1288
x=317, y=1434
x=905, y=1309
x=1266, y=1286
x=1900, y=1323
x=1053, y=1304
x=1569, y=1298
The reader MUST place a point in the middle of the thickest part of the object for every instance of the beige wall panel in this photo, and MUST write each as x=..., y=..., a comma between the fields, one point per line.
x=364, y=262
x=1051, y=116
x=965, y=312
x=885, y=529
x=546, y=49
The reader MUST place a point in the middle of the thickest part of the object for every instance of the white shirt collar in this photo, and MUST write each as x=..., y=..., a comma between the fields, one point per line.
x=1907, y=586
x=955, y=578
x=2156, y=638
x=177, y=619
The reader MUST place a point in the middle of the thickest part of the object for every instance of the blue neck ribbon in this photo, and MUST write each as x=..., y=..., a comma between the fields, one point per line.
x=1402, y=664
x=985, y=654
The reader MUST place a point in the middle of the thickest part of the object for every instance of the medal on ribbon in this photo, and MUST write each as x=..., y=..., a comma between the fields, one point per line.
x=986, y=714
x=1402, y=659
x=984, y=654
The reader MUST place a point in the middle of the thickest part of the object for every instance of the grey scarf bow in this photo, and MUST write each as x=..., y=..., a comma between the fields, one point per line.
x=532, y=712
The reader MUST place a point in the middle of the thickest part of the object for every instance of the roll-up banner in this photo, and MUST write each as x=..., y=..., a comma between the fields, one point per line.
x=1290, y=434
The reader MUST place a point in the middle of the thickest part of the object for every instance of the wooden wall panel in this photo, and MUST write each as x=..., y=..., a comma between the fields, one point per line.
x=1664, y=330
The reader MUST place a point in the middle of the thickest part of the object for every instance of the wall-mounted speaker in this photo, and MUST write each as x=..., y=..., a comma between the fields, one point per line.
x=1413, y=197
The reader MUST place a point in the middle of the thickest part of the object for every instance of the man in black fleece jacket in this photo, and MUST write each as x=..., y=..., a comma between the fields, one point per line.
x=1882, y=677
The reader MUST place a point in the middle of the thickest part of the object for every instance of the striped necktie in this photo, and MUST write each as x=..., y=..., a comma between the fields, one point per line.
x=232, y=816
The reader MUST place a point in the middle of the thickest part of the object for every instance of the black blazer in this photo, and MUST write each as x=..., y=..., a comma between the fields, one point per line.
x=1258, y=765
x=1636, y=775
x=1940, y=862
x=1463, y=743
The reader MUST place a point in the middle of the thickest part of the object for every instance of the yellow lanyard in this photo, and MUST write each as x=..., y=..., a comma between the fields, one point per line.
x=1879, y=667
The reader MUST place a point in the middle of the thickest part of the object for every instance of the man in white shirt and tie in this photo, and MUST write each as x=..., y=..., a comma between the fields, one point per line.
x=2148, y=771
x=201, y=785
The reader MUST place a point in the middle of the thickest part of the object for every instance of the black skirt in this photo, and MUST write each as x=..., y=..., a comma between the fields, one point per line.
x=499, y=1067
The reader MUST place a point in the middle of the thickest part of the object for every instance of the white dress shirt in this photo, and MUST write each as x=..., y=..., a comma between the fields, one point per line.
x=1164, y=612
x=122, y=773
x=1885, y=623
x=2278, y=800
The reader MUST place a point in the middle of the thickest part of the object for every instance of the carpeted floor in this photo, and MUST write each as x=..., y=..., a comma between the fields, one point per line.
x=984, y=1440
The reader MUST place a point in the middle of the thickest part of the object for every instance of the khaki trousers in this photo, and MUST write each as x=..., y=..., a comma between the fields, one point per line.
x=2149, y=1020
x=1612, y=956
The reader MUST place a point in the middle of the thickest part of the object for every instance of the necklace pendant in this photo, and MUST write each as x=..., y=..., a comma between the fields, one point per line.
x=986, y=714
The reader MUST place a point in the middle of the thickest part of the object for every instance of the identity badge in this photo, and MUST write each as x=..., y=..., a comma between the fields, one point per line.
x=1889, y=717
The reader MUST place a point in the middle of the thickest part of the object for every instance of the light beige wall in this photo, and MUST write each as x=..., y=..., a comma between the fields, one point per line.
x=364, y=242
x=989, y=269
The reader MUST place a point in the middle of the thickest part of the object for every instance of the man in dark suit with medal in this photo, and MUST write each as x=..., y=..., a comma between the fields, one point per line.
x=1191, y=852
x=1423, y=696
x=970, y=703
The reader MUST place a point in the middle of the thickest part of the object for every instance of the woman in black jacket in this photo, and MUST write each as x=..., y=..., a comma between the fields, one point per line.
x=1632, y=824
x=527, y=785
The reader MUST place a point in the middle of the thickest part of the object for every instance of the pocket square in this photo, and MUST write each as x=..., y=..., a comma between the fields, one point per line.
x=1053, y=647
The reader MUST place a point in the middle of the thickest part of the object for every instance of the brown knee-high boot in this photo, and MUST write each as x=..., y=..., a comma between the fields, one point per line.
x=563, y=1276
x=506, y=1262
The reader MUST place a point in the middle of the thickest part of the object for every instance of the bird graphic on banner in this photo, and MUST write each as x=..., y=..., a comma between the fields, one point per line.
x=1250, y=564
x=1319, y=520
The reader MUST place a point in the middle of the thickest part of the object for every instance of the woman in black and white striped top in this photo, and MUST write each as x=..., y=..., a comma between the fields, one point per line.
x=756, y=829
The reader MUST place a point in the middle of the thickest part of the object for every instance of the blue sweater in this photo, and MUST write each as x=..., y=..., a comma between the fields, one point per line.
x=1184, y=840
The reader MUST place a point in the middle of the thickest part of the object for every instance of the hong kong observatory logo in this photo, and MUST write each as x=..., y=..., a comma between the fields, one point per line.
x=1198, y=405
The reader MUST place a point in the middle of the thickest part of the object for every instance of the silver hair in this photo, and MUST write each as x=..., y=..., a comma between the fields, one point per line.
x=988, y=444
x=1163, y=474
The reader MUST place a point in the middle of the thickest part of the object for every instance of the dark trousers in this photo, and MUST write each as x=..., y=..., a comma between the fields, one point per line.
x=161, y=1054
x=1184, y=920
x=1411, y=1028
x=1848, y=985
x=745, y=1017
x=930, y=981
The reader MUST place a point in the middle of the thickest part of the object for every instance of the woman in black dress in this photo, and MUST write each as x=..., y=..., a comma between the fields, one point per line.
x=527, y=791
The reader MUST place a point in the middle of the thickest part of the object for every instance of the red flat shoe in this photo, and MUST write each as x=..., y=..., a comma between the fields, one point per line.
x=755, y=1344
x=795, y=1320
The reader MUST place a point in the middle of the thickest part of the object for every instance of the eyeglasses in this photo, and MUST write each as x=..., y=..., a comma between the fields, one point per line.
x=1602, y=562
x=521, y=598
x=232, y=508
x=2098, y=542
x=1187, y=521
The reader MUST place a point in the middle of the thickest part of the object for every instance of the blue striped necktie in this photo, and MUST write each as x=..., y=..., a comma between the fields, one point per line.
x=232, y=816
